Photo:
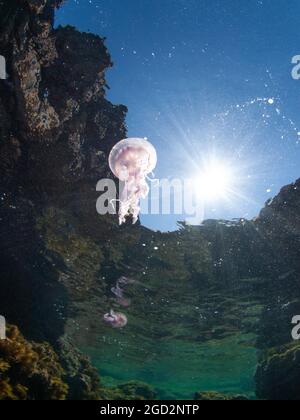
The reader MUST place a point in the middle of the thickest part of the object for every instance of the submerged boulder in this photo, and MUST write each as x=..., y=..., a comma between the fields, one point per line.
x=216, y=396
x=136, y=391
x=278, y=374
x=29, y=371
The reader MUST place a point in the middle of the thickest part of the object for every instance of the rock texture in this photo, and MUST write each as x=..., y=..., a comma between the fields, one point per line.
x=29, y=371
x=215, y=396
x=56, y=129
x=278, y=374
x=135, y=391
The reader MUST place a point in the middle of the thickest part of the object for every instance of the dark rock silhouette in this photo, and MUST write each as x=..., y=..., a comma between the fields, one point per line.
x=56, y=131
x=277, y=377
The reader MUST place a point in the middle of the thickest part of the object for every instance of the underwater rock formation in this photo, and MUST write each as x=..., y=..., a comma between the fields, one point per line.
x=82, y=378
x=278, y=374
x=280, y=223
x=56, y=129
x=216, y=396
x=29, y=371
x=136, y=391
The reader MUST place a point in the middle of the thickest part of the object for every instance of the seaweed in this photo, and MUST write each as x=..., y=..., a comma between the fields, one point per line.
x=278, y=373
x=29, y=371
x=134, y=390
x=216, y=396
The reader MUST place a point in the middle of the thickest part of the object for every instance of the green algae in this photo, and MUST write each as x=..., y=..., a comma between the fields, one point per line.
x=133, y=390
x=29, y=371
x=176, y=369
x=278, y=373
x=216, y=396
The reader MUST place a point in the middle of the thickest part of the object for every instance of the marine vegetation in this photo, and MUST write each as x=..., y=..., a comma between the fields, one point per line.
x=29, y=371
x=278, y=374
x=216, y=396
x=137, y=391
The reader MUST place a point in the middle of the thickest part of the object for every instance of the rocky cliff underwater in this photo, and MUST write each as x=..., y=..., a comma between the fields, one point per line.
x=209, y=307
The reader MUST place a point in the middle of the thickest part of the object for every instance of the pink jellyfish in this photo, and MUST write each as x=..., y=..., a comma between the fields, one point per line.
x=131, y=161
x=125, y=281
x=115, y=319
x=121, y=299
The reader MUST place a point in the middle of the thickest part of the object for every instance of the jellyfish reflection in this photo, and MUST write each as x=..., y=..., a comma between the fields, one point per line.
x=119, y=291
x=115, y=319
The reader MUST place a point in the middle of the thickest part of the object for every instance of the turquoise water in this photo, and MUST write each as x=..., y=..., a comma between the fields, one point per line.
x=187, y=332
x=177, y=369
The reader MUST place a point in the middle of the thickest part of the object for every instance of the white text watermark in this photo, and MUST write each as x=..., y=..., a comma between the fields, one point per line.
x=2, y=68
x=296, y=68
x=2, y=328
x=296, y=329
x=166, y=197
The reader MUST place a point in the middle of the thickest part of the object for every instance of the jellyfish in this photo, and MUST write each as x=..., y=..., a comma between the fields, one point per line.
x=115, y=319
x=121, y=299
x=131, y=161
x=124, y=281
x=118, y=291
x=125, y=302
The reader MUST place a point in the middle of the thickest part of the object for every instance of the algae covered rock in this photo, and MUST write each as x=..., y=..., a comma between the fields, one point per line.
x=82, y=379
x=216, y=396
x=135, y=391
x=29, y=371
x=56, y=130
x=278, y=374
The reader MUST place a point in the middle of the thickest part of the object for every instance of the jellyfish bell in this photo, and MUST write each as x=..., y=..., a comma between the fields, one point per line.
x=132, y=156
x=115, y=319
x=118, y=291
x=123, y=281
x=131, y=161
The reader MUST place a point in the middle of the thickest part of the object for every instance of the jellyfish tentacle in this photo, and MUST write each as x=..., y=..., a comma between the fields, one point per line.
x=144, y=189
x=114, y=200
x=152, y=180
x=135, y=214
x=123, y=213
